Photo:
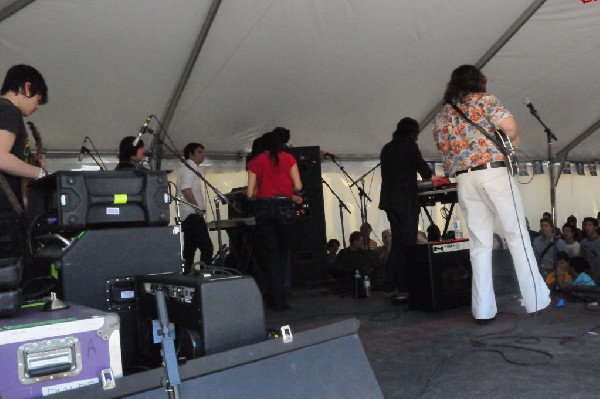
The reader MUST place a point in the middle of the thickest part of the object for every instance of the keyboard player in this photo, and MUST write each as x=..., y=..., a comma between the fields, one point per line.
x=401, y=160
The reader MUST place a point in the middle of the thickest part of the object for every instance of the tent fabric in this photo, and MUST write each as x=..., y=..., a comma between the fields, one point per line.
x=338, y=74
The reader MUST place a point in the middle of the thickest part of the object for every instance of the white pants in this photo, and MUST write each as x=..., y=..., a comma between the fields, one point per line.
x=483, y=195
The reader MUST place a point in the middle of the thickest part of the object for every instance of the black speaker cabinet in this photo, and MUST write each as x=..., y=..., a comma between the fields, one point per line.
x=72, y=201
x=439, y=275
x=99, y=267
x=326, y=362
x=226, y=312
x=309, y=236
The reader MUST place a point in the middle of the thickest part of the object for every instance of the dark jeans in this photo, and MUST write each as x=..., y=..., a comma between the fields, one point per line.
x=195, y=237
x=404, y=225
x=274, y=219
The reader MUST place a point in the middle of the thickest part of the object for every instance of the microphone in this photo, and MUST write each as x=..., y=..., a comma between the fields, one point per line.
x=142, y=131
x=82, y=151
x=304, y=159
x=330, y=155
x=528, y=103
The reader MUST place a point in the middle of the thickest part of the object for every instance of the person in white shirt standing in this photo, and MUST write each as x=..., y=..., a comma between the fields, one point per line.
x=195, y=231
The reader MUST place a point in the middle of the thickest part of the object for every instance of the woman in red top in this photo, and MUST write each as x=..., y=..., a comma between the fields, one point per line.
x=273, y=177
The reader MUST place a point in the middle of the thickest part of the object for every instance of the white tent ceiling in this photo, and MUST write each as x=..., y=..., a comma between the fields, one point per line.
x=337, y=73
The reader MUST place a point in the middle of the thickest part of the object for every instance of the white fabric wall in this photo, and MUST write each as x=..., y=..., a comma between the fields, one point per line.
x=577, y=195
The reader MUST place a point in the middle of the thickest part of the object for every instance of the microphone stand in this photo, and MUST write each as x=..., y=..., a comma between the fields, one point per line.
x=220, y=198
x=103, y=166
x=553, y=181
x=361, y=192
x=342, y=206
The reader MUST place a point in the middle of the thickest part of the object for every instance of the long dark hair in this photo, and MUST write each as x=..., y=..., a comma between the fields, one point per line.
x=465, y=79
x=407, y=129
x=272, y=142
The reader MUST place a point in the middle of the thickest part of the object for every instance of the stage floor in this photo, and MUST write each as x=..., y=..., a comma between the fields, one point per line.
x=445, y=354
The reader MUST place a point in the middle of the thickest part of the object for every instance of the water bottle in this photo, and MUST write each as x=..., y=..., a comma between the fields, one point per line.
x=367, y=285
x=457, y=230
x=357, y=284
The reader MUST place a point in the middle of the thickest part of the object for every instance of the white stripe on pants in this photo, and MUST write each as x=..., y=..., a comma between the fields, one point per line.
x=482, y=195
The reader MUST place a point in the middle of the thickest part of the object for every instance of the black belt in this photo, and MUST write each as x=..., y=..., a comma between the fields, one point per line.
x=490, y=165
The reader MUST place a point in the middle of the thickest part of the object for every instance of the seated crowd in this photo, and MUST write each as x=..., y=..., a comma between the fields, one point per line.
x=568, y=257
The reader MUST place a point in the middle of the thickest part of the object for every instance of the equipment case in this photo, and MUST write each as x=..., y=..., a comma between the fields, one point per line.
x=43, y=353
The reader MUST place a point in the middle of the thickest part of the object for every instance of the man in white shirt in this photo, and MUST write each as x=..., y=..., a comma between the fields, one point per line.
x=572, y=246
x=195, y=232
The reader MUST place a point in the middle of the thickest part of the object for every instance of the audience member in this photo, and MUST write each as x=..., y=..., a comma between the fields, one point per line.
x=580, y=269
x=563, y=270
x=332, y=248
x=532, y=233
x=568, y=234
x=351, y=259
x=590, y=246
x=383, y=252
x=578, y=234
x=366, y=231
x=545, y=246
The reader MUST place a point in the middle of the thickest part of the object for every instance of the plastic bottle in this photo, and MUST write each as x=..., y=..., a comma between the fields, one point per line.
x=367, y=284
x=357, y=283
x=457, y=229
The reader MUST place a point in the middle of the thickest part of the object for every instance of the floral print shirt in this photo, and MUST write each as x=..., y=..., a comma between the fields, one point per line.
x=461, y=144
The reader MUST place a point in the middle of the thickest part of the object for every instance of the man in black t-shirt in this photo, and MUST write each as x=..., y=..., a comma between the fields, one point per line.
x=22, y=92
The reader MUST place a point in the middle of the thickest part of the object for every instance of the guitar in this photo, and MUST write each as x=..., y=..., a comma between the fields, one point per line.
x=505, y=146
x=500, y=139
x=32, y=159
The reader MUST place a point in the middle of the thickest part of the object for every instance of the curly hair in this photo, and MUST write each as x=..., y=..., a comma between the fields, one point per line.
x=465, y=79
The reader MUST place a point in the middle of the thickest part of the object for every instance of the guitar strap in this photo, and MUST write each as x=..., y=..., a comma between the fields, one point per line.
x=10, y=195
x=482, y=130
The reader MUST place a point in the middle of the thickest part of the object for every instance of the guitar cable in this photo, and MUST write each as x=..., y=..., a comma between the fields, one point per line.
x=510, y=183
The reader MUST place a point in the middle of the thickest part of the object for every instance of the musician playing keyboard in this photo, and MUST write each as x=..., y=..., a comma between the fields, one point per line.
x=485, y=187
x=401, y=160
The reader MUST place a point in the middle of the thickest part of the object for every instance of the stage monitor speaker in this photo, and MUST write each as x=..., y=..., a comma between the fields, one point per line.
x=99, y=267
x=439, y=275
x=327, y=362
x=226, y=312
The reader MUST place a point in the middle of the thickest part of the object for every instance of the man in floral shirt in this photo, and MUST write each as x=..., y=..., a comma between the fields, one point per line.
x=485, y=188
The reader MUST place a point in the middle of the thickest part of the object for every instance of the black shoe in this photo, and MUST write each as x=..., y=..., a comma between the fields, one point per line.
x=485, y=322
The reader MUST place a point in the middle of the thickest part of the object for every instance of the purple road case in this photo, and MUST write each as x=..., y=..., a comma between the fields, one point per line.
x=48, y=352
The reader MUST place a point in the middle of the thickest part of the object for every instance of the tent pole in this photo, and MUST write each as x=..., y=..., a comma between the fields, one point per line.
x=13, y=8
x=167, y=118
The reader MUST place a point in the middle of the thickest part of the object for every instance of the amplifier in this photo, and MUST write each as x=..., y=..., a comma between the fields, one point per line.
x=223, y=312
x=71, y=201
x=439, y=275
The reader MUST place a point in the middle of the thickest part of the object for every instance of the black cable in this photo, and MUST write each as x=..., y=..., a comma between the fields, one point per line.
x=510, y=183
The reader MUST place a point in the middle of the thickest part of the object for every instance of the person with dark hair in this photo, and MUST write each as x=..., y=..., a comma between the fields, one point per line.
x=130, y=156
x=572, y=246
x=590, y=246
x=546, y=245
x=401, y=160
x=580, y=269
x=578, y=234
x=273, y=177
x=331, y=250
x=350, y=260
x=498, y=244
x=486, y=188
x=193, y=225
x=23, y=91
